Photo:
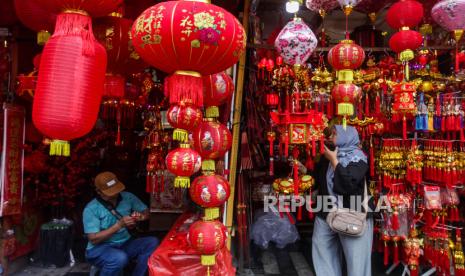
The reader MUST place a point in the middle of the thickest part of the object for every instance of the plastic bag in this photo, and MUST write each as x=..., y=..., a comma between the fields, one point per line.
x=270, y=227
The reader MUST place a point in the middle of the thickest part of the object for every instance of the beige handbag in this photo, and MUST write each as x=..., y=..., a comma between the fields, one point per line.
x=348, y=222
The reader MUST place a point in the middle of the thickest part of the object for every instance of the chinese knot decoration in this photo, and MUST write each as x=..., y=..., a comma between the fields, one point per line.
x=296, y=42
x=404, y=102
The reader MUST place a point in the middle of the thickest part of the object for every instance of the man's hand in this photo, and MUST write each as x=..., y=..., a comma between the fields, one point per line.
x=331, y=156
x=127, y=221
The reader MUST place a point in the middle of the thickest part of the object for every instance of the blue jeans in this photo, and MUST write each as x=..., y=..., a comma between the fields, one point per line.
x=112, y=258
x=328, y=246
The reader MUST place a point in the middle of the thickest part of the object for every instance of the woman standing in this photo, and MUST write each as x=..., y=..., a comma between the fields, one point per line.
x=341, y=173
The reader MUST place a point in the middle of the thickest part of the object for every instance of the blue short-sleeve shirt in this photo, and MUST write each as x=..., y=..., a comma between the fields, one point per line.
x=97, y=218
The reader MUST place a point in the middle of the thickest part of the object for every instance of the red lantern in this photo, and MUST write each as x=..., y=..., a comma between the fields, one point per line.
x=212, y=140
x=210, y=191
x=188, y=39
x=218, y=89
x=345, y=57
x=184, y=118
x=36, y=18
x=405, y=13
x=346, y=95
x=70, y=83
x=114, y=87
x=94, y=8
x=207, y=237
x=405, y=40
x=7, y=16
x=183, y=162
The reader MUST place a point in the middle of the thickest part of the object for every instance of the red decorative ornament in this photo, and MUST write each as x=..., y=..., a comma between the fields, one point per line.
x=94, y=8
x=404, y=102
x=210, y=191
x=70, y=82
x=272, y=100
x=207, y=237
x=218, y=89
x=183, y=162
x=345, y=57
x=405, y=40
x=346, y=95
x=212, y=140
x=184, y=118
x=188, y=39
x=404, y=13
x=36, y=18
x=114, y=87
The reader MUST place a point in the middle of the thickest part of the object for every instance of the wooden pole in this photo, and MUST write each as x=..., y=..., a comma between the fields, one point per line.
x=236, y=128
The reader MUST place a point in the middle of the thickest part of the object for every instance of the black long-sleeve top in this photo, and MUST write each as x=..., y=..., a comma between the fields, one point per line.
x=348, y=181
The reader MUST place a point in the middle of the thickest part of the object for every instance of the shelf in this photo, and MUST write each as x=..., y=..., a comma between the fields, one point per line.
x=368, y=49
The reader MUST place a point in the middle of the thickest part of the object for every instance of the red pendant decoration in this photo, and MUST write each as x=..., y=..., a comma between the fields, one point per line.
x=184, y=118
x=210, y=191
x=70, y=82
x=404, y=102
x=36, y=18
x=345, y=57
x=94, y=8
x=218, y=89
x=183, y=162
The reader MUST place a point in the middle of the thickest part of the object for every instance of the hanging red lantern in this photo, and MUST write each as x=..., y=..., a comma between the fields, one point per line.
x=94, y=8
x=36, y=18
x=212, y=140
x=184, y=118
x=207, y=237
x=346, y=95
x=210, y=191
x=183, y=162
x=70, y=82
x=405, y=40
x=272, y=100
x=404, y=13
x=188, y=39
x=345, y=57
x=218, y=89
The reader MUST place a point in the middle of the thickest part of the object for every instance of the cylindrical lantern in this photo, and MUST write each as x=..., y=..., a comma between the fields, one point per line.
x=212, y=140
x=207, y=237
x=184, y=118
x=218, y=89
x=188, y=39
x=345, y=95
x=345, y=57
x=36, y=18
x=210, y=191
x=94, y=8
x=70, y=82
x=183, y=162
x=296, y=42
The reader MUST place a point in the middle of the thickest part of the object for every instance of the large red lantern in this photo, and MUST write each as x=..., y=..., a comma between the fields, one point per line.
x=405, y=40
x=212, y=140
x=94, y=8
x=345, y=95
x=210, y=191
x=183, y=162
x=345, y=57
x=218, y=89
x=70, y=82
x=184, y=118
x=36, y=18
x=188, y=39
x=404, y=13
x=207, y=237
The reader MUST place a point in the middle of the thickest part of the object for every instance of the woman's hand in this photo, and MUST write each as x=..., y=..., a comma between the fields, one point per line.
x=331, y=155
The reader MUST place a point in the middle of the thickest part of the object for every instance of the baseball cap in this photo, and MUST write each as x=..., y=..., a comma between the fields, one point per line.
x=108, y=184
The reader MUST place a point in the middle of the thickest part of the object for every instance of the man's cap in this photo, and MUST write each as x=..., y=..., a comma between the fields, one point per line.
x=108, y=184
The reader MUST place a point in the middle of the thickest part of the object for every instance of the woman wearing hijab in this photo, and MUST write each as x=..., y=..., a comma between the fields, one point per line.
x=341, y=173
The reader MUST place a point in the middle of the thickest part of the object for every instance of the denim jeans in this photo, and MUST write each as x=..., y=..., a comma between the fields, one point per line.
x=112, y=258
x=328, y=246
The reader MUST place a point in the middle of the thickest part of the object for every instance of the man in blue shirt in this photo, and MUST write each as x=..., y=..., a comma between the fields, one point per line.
x=107, y=220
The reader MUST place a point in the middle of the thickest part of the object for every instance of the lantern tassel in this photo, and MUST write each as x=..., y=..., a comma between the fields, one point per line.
x=181, y=135
x=211, y=213
x=77, y=23
x=212, y=112
x=59, y=148
x=208, y=165
x=182, y=182
x=186, y=86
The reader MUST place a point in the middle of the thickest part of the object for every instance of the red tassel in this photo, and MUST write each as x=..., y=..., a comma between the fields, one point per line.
x=372, y=160
x=395, y=221
x=78, y=24
x=462, y=135
x=367, y=104
x=187, y=88
x=148, y=186
x=118, y=136
x=413, y=271
x=386, y=253
x=313, y=148
x=396, y=253
x=310, y=165
x=299, y=213
x=404, y=128
x=322, y=145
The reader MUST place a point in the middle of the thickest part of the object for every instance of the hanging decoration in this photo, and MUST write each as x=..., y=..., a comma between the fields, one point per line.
x=183, y=162
x=36, y=18
x=322, y=7
x=218, y=89
x=346, y=95
x=210, y=191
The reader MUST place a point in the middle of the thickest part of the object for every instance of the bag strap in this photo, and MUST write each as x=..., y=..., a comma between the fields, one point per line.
x=365, y=196
x=110, y=208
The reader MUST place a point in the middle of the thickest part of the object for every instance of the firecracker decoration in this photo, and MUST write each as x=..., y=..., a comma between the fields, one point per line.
x=210, y=191
x=36, y=18
x=207, y=237
x=296, y=42
x=218, y=89
x=184, y=118
x=183, y=162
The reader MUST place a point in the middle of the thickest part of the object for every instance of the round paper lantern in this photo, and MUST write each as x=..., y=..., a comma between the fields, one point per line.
x=345, y=57
x=188, y=39
x=321, y=5
x=405, y=40
x=183, y=162
x=184, y=118
x=36, y=18
x=345, y=95
x=404, y=13
x=113, y=33
x=94, y=8
x=207, y=237
x=212, y=140
x=210, y=191
x=218, y=89
x=296, y=42
x=70, y=83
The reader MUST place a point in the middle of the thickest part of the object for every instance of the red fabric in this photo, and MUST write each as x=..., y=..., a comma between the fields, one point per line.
x=71, y=80
x=95, y=8
x=209, y=190
x=218, y=89
x=175, y=35
x=404, y=13
x=346, y=55
x=212, y=140
x=183, y=162
x=34, y=16
x=405, y=40
x=175, y=257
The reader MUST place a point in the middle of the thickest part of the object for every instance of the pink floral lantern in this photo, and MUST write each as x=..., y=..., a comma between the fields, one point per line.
x=296, y=42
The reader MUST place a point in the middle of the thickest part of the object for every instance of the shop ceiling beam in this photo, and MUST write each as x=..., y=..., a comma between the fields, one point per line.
x=236, y=127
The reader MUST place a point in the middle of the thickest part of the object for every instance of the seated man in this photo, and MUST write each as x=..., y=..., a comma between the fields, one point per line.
x=108, y=220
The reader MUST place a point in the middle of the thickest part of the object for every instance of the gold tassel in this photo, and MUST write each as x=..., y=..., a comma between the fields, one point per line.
x=42, y=37
x=208, y=165
x=182, y=182
x=345, y=109
x=59, y=148
x=181, y=135
x=212, y=112
x=211, y=213
x=208, y=260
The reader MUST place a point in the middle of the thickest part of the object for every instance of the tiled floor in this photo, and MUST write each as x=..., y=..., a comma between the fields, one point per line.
x=76, y=270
